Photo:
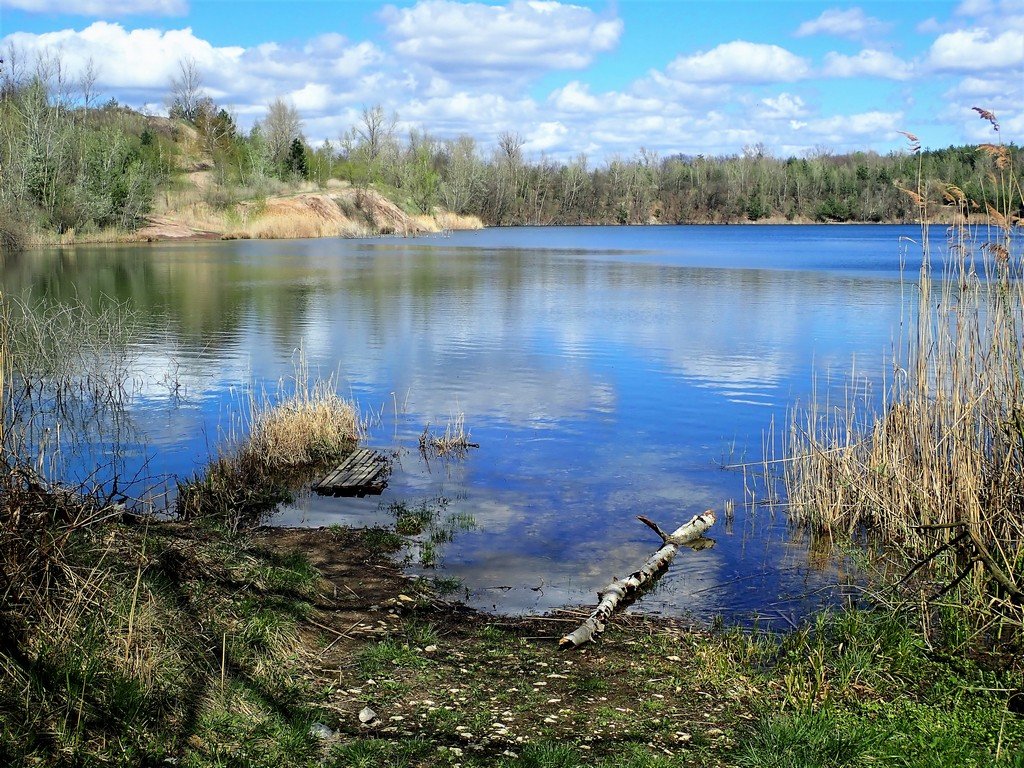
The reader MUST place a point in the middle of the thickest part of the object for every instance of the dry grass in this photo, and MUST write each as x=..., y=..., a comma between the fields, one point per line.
x=308, y=427
x=448, y=221
x=305, y=424
x=941, y=464
x=455, y=441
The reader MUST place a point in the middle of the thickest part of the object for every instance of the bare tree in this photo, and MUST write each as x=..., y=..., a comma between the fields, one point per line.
x=464, y=175
x=87, y=82
x=186, y=90
x=281, y=127
x=375, y=131
x=12, y=73
x=511, y=146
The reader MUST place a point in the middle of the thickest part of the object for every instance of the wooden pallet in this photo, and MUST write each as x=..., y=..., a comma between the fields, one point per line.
x=362, y=472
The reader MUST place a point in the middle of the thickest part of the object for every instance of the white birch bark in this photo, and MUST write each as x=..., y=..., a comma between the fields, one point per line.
x=614, y=593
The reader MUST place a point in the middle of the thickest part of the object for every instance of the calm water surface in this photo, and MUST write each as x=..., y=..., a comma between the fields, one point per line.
x=605, y=373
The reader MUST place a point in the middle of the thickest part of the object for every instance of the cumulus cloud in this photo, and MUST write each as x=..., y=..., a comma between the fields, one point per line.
x=576, y=97
x=136, y=60
x=740, y=62
x=844, y=129
x=101, y=8
x=138, y=65
x=867, y=63
x=470, y=40
x=546, y=136
x=853, y=24
x=703, y=102
x=975, y=50
x=785, y=106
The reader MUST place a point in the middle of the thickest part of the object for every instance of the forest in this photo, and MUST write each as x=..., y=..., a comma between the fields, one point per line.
x=69, y=163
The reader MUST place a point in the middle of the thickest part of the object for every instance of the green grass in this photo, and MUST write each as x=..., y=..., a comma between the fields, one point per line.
x=448, y=585
x=384, y=655
x=377, y=753
x=184, y=649
x=382, y=540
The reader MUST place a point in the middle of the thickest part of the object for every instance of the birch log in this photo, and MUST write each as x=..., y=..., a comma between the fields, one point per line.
x=614, y=593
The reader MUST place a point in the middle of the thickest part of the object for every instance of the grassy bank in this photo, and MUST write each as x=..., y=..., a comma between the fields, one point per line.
x=175, y=642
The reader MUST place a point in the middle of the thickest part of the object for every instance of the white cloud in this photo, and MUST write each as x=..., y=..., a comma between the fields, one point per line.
x=975, y=50
x=142, y=59
x=546, y=136
x=740, y=62
x=138, y=64
x=474, y=40
x=104, y=8
x=846, y=129
x=312, y=97
x=350, y=61
x=785, y=106
x=852, y=23
x=867, y=63
x=575, y=97
x=483, y=114
x=701, y=103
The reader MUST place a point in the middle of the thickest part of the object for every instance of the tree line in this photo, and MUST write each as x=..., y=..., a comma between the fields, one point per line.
x=70, y=163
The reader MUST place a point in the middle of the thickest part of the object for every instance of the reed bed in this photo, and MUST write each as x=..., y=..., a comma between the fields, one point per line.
x=302, y=426
x=938, y=467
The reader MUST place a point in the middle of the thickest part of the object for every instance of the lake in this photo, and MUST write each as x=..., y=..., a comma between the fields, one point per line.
x=604, y=372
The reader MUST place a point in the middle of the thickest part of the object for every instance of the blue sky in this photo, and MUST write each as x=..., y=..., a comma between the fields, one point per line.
x=601, y=78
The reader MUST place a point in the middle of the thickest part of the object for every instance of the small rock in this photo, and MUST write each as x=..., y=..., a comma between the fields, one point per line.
x=321, y=731
x=367, y=715
x=673, y=658
x=430, y=649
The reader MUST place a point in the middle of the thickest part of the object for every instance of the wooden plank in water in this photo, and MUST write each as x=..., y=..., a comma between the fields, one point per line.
x=358, y=474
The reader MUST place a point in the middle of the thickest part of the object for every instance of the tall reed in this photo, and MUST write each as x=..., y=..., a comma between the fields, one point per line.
x=941, y=460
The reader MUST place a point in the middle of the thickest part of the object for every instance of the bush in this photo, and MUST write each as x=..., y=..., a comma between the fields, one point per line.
x=14, y=232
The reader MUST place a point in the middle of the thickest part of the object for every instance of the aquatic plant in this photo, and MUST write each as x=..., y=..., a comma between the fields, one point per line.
x=303, y=425
x=454, y=441
x=938, y=468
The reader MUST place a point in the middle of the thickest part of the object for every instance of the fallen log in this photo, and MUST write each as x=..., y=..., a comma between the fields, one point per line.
x=614, y=593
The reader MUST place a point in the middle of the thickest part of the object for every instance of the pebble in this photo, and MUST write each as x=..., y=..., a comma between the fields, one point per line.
x=366, y=715
x=321, y=731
